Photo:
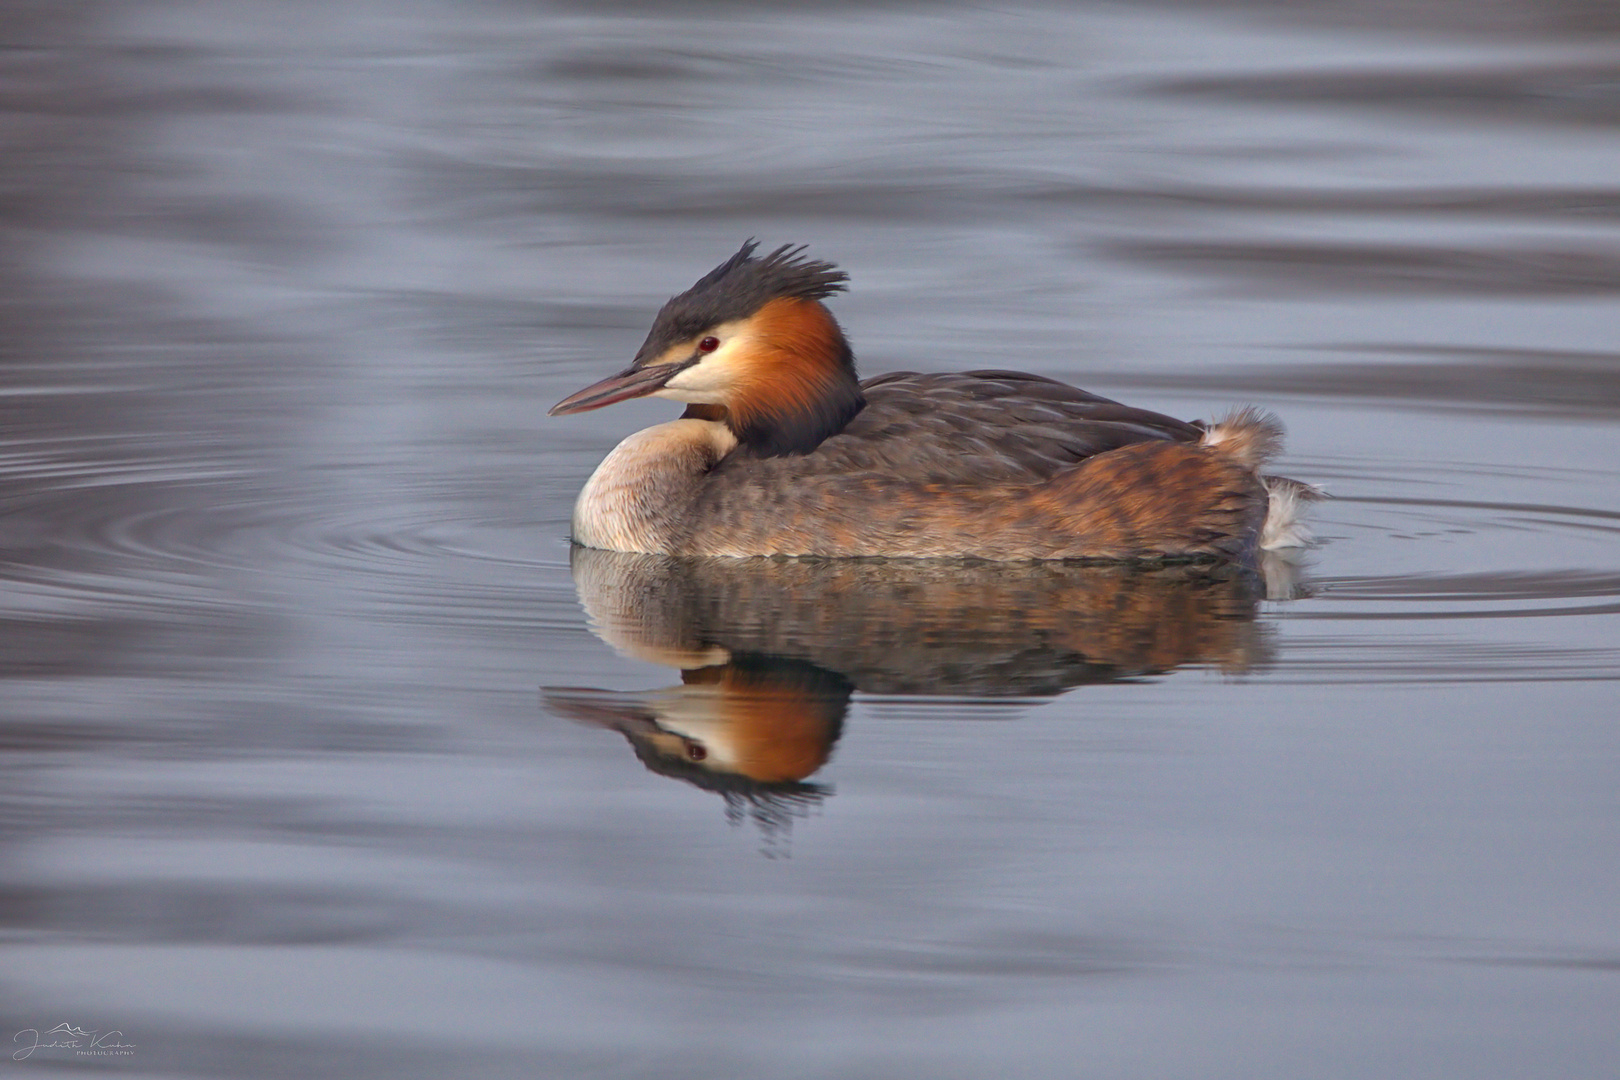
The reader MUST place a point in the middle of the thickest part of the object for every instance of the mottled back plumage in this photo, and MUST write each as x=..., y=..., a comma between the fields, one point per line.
x=992, y=464
x=981, y=426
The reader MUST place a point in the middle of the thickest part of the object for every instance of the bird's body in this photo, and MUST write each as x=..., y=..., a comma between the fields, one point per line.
x=783, y=451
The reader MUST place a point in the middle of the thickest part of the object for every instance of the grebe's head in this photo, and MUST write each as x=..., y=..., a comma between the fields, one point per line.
x=750, y=345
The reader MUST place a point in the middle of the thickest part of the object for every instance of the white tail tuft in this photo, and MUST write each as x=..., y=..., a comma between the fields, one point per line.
x=1288, y=498
x=1250, y=435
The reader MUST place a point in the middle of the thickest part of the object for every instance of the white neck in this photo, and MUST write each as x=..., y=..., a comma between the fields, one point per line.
x=636, y=500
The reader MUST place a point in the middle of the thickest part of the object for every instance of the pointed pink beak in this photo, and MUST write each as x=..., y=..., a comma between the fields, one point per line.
x=630, y=383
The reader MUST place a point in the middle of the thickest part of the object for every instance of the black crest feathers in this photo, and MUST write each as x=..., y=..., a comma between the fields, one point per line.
x=739, y=287
x=784, y=273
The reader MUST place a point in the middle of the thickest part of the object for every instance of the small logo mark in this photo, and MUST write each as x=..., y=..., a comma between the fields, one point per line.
x=83, y=1042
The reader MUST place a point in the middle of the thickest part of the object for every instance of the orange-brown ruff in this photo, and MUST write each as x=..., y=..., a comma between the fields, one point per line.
x=783, y=451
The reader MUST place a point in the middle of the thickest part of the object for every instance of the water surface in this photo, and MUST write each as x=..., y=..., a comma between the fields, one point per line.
x=325, y=753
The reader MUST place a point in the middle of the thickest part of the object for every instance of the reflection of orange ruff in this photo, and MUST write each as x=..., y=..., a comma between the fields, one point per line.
x=783, y=451
x=774, y=726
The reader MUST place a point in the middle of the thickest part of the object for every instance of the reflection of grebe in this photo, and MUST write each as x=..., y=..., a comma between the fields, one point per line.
x=782, y=451
x=770, y=650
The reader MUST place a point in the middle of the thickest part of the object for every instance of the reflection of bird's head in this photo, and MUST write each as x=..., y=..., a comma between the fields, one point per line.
x=752, y=725
x=751, y=345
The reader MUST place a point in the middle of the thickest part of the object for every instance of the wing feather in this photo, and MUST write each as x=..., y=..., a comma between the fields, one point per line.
x=973, y=427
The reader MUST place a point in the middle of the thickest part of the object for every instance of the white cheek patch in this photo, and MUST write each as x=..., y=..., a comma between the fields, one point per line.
x=709, y=374
x=698, y=716
x=710, y=380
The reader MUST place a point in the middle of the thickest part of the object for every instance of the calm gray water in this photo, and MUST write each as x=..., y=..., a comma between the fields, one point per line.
x=320, y=757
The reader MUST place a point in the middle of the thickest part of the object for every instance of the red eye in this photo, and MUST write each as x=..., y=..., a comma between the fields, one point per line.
x=696, y=751
x=709, y=344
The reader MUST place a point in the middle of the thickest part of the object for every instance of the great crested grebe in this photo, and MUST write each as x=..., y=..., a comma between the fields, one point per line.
x=782, y=450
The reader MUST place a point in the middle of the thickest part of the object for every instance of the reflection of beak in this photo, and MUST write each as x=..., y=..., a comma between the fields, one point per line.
x=630, y=383
x=602, y=708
